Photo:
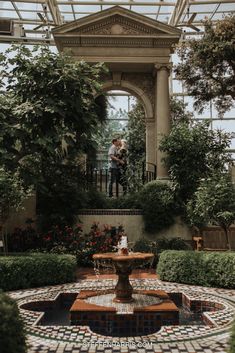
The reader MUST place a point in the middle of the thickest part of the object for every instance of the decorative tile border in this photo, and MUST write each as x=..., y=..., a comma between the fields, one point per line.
x=170, y=339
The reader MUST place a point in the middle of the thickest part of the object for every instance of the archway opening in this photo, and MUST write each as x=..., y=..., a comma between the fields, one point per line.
x=126, y=121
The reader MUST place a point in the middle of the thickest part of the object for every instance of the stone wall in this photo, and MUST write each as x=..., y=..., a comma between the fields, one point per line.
x=18, y=218
x=133, y=223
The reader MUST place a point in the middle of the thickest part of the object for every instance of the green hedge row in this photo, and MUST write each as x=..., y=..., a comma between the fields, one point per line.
x=12, y=335
x=35, y=270
x=211, y=269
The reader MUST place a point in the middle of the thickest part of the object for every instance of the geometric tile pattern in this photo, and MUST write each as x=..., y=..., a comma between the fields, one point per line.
x=170, y=339
x=128, y=308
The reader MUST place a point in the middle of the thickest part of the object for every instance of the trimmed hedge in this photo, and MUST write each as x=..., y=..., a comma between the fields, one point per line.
x=212, y=269
x=232, y=340
x=35, y=270
x=159, y=245
x=12, y=335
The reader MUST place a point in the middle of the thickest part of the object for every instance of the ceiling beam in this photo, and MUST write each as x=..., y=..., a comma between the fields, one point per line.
x=16, y=9
x=209, y=2
x=128, y=2
x=177, y=12
x=55, y=12
x=26, y=40
x=116, y=3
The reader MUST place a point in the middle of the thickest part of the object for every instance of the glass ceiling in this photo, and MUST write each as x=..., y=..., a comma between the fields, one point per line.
x=32, y=20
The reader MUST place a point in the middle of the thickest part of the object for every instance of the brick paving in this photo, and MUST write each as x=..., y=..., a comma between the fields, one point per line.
x=208, y=338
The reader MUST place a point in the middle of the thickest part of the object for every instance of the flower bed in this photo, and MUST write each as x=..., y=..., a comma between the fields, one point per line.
x=67, y=240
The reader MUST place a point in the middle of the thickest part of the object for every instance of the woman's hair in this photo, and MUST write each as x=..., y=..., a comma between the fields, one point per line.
x=124, y=144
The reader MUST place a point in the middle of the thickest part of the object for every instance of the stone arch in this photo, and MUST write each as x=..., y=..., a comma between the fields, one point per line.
x=136, y=91
x=139, y=93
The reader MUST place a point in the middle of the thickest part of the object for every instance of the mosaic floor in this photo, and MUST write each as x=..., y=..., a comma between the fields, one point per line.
x=170, y=339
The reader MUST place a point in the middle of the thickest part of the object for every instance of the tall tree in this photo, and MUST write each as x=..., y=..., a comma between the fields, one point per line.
x=179, y=112
x=194, y=151
x=136, y=141
x=207, y=65
x=48, y=115
x=46, y=98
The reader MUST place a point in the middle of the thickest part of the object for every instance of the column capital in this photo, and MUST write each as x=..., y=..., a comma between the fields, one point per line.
x=165, y=66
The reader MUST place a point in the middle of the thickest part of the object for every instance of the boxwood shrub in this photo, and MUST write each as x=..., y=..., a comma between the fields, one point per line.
x=213, y=269
x=12, y=335
x=36, y=270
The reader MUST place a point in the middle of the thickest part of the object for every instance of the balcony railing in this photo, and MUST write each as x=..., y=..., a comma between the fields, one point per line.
x=99, y=178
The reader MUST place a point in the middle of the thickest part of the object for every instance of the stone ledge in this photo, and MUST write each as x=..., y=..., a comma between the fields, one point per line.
x=128, y=212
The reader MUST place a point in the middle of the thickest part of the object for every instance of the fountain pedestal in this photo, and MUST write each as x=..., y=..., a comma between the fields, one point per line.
x=123, y=266
x=123, y=288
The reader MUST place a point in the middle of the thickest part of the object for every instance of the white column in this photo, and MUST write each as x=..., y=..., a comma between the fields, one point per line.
x=162, y=114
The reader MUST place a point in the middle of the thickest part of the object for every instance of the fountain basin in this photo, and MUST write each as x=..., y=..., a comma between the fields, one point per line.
x=149, y=310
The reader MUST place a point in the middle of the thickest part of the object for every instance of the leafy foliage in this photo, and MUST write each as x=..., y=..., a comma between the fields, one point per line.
x=12, y=335
x=48, y=117
x=49, y=100
x=67, y=240
x=12, y=193
x=207, y=65
x=131, y=201
x=178, y=112
x=61, y=197
x=194, y=152
x=36, y=270
x=214, y=201
x=198, y=268
x=161, y=244
x=136, y=147
x=158, y=205
x=100, y=239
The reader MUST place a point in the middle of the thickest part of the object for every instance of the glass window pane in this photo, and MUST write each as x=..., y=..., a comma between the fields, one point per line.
x=66, y=8
x=6, y=5
x=86, y=8
x=28, y=6
x=230, y=114
x=226, y=125
x=177, y=86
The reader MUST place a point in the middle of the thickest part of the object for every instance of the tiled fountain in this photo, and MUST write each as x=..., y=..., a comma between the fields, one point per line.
x=122, y=311
x=45, y=312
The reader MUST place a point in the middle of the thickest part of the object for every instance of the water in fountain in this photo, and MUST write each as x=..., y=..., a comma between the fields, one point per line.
x=106, y=264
